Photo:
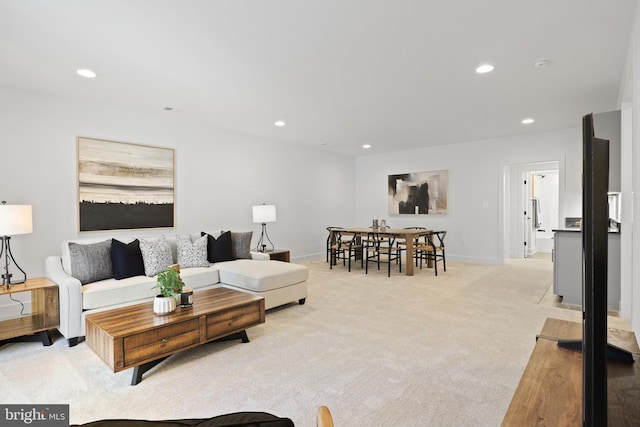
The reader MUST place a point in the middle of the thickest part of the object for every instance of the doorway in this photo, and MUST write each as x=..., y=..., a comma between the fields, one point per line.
x=523, y=234
x=541, y=193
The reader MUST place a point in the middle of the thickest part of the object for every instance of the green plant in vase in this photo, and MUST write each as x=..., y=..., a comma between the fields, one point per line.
x=169, y=282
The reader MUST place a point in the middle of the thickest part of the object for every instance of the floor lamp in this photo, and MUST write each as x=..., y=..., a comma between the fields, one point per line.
x=261, y=215
x=14, y=219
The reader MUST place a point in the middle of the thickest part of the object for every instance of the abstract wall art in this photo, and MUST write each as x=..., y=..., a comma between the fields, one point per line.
x=124, y=186
x=419, y=193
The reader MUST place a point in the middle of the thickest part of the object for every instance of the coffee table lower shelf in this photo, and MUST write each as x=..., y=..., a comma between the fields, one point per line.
x=135, y=337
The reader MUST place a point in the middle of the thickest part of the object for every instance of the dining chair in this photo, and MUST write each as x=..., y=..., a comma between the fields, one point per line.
x=329, y=229
x=382, y=248
x=402, y=243
x=433, y=249
x=346, y=247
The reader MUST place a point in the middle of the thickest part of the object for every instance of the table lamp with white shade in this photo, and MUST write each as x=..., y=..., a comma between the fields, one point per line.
x=14, y=220
x=261, y=215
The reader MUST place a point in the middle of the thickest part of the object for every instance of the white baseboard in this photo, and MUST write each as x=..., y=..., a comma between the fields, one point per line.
x=311, y=257
x=10, y=309
x=474, y=260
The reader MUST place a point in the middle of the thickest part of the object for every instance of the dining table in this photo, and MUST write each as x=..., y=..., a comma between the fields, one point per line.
x=409, y=234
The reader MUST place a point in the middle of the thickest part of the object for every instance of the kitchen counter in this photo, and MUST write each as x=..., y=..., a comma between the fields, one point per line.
x=577, y=230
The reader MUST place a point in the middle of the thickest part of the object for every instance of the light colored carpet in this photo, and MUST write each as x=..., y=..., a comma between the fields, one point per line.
x=378, y=351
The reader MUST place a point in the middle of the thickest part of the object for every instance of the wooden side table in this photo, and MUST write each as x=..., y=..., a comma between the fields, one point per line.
x=45, y=314
x=279, y=255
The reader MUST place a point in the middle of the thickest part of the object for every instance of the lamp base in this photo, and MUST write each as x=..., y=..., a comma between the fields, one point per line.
x=6, y=280
x=261, y=246
x=8, y=258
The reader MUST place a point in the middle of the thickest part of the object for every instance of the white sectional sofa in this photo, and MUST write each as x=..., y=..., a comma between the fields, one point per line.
x=89, y=281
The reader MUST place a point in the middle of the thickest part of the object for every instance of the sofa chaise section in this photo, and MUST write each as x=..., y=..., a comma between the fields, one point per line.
x=278, y=282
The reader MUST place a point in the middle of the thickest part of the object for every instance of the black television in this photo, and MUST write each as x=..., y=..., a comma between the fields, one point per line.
x=595, y=230
x=595, y=238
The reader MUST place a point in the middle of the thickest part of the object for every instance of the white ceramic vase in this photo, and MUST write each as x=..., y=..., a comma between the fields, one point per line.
x=164, y=305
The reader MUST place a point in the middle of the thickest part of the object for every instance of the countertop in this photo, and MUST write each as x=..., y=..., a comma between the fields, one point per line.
x=578, y=230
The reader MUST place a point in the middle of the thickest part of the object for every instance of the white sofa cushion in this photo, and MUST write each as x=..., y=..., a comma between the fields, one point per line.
x=112, y=292
x=260, y=275
x=198, y=277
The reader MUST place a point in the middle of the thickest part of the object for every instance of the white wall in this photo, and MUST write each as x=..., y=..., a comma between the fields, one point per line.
x=476, y=217
x=219, y=175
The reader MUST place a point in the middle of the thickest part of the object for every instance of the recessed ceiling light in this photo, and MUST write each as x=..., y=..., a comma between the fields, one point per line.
x=527, y=121
x=540, y=63
x=366, y=146
x=485, y=68
x=279, y=123
x=84, y=72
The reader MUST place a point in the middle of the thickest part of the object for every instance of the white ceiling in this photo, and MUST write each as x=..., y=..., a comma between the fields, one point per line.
x=397, y=74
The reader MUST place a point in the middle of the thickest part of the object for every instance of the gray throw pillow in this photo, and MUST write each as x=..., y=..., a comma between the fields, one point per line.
x=91, y=262
x=241, y=244
x=192, y=254
x=156, y=255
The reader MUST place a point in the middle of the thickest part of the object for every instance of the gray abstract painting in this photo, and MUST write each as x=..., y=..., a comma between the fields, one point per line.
x=419, y=193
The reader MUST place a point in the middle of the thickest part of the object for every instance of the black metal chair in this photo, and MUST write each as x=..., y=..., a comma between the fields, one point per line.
x=402, y=244
x=346, y=247
x=329, y=229
x=433, y=250
x=382, y=248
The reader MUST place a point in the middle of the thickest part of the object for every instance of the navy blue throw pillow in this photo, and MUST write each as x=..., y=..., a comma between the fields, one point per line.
x=126, y=259
x=219, y=249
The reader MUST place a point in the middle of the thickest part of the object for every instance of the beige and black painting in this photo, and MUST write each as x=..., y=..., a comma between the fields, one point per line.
x=419, y=193
x=124, y=186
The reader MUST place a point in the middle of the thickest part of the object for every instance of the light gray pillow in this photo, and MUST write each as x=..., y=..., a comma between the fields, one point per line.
x=91, y=262
x=192, y=254
x=156, y=255
x=241, y=244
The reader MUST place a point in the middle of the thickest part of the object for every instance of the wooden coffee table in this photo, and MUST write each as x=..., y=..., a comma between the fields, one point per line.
x=136, y=337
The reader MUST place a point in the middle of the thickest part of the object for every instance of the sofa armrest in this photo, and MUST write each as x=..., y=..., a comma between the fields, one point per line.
x=259, y=256
x=70, y=298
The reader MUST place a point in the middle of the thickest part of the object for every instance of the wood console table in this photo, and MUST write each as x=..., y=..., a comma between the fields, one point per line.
x=44, y=316
x=550, y=390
